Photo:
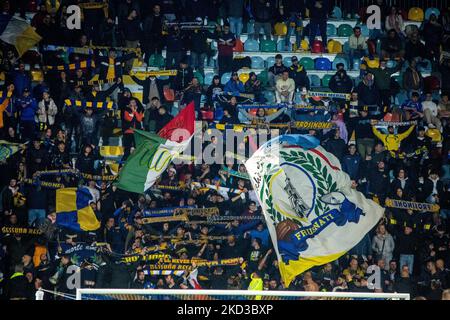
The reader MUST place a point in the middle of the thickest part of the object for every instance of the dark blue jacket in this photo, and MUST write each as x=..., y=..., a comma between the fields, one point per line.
x=27, y=107
x=21, y=81
x=235, y=87
x=351, y=164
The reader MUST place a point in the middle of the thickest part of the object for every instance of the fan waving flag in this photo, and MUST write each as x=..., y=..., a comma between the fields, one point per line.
x=313, y=214
x=154, y=152
x=73, y=210
x=18, y=33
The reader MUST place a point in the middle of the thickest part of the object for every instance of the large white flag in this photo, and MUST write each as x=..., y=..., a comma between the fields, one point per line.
x=313, y=214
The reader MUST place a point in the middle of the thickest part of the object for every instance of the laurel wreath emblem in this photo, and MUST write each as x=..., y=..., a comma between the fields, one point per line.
x=324, y=181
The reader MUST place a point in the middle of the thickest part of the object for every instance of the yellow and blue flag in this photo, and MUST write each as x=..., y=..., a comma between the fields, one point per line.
x=19, y=33
x=73, y=210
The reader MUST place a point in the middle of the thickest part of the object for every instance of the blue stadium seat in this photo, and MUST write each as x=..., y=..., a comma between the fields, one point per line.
x=251, y=27
x=425, y=66
x=391, y=64
x=340, y=59
x=270, y=61
x=212, y=63
x=287, y=61
x=337, y=13
x=314, y=80
x=209, y=78
x=298, y=97
x=225, y=78
x=431, y=11
x=346, y=47
x=322, y=64
x=401, y=97
x=281, y=46
x=331, y=30
x=356, y=64
x=269, y=96
x=257, y=62
x=251, y=45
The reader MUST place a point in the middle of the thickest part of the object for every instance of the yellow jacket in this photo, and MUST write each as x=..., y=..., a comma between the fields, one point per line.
x=3, y=107
x=392, y=141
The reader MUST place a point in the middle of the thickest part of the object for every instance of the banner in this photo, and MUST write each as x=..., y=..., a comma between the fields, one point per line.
x=395, y=123
x=154, y=73
x=313, y=214
x=84, y=64
x=202, y=212
x=281, y=105
x=166, y=262
x=294, y=124
x=182, y=217
x=409, y=205
x=235, y=173
x=104, y=105
x=80, y=252
x=331, y=95
x=20, y=230
x=235, y=156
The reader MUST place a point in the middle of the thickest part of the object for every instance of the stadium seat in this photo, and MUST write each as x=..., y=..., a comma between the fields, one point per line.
x=244, y=77
x=251, y=27
x=331, y=30
x=270, y=61
x=334, y=47
x=326, y=80
x=307, y=62
x=345, y=30
x=37, y=76
x=251, y=45
x=415, y=14
x=425, y=66
x=282, y=47
x=257, y=62
x=391, y=64
x=209, y=78
x=337, y=13
x=225, y=78
x=356, y=64
x=263, y=77
x=346, y=47
x=218, y=113
x=304, y=45
x=156, y=61
x=239, y=46
x=297, y=97
x=322, y=64
x=317, y=47
x=212, y=63
x=268, y=46
x=340, y=59
x=280, y=29
x=431, y=11
x=199, y=76
x=374, y=63
x=400, y=98
x=314, y=80
x=287, y=61
x=269, y=96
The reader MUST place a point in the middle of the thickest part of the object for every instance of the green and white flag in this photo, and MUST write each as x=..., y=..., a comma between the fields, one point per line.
x=154, y=152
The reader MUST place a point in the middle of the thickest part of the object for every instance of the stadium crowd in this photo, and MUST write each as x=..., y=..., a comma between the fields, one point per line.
x=408, y=160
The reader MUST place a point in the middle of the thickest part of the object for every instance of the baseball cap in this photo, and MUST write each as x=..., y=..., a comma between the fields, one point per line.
x=294, y=58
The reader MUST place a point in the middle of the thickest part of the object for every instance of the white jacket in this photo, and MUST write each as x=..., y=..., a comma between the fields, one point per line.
x=354, y=42
x=288, y=85
x=43, y=115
